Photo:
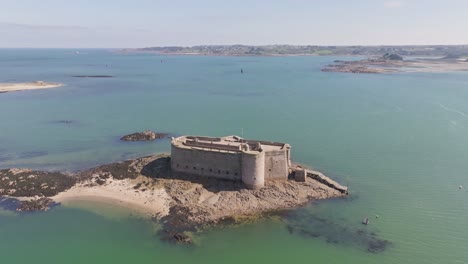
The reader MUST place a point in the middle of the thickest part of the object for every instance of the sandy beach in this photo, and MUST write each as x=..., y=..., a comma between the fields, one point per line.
x=152, y=203
x=14, y=87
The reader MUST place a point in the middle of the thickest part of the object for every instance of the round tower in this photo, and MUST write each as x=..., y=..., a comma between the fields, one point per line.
x=253, y=169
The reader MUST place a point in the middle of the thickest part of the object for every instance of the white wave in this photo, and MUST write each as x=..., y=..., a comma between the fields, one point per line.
x=448, y=109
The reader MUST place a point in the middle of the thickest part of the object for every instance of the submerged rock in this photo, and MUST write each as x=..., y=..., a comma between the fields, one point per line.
x=365, y=221
x=182, y=238
x=146, y=135
x=65, y=121
x=304, y=224
x=93, y=76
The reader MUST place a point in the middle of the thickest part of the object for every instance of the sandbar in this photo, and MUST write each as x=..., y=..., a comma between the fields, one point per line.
x=14, y=87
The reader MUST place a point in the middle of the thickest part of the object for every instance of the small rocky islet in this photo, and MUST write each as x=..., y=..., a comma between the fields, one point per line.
x=147, y=135
x=391, y=63
x=93, y=76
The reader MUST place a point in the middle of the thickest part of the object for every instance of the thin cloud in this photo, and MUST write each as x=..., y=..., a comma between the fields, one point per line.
x=5, y=25
x=393, y=4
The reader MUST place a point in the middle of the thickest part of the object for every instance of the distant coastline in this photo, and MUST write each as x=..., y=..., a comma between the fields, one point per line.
x=394, y=63
x=14, y=87
x=306, y=50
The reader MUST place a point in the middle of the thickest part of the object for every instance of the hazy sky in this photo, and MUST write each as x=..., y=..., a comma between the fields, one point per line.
x=143, y=23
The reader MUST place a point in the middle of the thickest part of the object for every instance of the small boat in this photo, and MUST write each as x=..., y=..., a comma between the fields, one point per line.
x=365, y=221
x=242, y=70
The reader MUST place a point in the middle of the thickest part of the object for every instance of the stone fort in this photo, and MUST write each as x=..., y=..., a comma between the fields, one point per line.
x=233, y=158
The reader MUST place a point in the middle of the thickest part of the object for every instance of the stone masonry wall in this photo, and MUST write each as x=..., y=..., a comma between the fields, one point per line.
x=207, y=163
x=276, y=165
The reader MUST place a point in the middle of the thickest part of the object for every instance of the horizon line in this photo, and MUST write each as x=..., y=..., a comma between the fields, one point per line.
x=247, y=45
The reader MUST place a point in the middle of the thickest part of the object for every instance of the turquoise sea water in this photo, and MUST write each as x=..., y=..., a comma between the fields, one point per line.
x=400, y=141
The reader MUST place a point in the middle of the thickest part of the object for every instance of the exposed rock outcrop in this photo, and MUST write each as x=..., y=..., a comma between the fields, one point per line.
x=146, y=135
x=93, y=76
x=29, y=183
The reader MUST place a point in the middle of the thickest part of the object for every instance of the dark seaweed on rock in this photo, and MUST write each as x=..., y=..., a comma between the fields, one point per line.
x=28, y=183
x=33, y=205
x=119, y=171
x=147, y=135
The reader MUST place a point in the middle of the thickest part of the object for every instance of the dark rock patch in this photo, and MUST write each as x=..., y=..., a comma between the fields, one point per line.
x=160, y=167
x=335, y=233
x=29, y=183
x=119, y=171
x=93, y=76
x=33, y=205
x=66, y=122
x=177, y=238
x=32, y=154
x=176, y=226
x=147, y=135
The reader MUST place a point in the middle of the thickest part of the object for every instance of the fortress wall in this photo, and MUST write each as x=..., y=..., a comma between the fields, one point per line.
x=214, y=139
x=271, y=143
x=206, y=163
x=212, y=146
x=276, y=165
x=253, y=169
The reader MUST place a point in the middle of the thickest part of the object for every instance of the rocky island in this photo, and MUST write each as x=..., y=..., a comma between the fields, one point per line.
x=146, y=135
x=390, y=62
x=184, y=202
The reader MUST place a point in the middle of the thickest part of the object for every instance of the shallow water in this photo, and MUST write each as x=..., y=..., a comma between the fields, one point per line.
x=398, y=140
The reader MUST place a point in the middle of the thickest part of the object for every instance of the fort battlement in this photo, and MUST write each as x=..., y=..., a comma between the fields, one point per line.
x=232, y=157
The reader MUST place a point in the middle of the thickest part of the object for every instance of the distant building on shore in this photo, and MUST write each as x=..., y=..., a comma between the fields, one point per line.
x=234, y=158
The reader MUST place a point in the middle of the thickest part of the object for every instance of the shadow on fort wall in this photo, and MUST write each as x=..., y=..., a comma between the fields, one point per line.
x=161, y=168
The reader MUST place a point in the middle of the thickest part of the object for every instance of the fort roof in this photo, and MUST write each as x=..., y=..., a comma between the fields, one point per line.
x=227, y=144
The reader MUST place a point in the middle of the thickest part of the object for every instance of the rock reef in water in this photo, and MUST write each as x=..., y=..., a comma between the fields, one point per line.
x=312, y=226
x=93, y=76
x=147, y=135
